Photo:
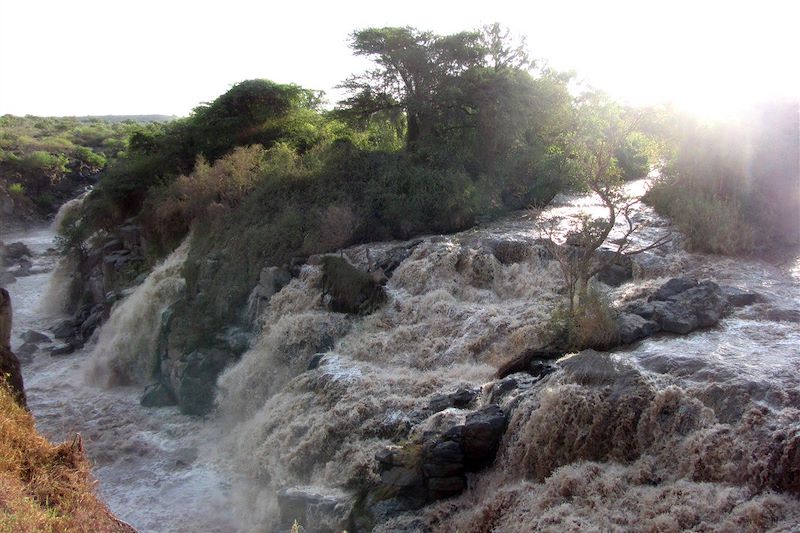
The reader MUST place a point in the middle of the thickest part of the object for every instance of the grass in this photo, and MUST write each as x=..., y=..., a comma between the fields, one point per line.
x=43, y=486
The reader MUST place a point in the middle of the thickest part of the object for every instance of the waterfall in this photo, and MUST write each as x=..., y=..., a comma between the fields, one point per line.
x=66, y=209
x=57, y=293
x=126, y=346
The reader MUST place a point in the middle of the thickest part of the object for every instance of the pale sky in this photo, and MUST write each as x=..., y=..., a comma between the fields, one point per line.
x=81, y=57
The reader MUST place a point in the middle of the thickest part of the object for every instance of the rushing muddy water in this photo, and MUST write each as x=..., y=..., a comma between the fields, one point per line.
x=699, y=432
x=150, y=463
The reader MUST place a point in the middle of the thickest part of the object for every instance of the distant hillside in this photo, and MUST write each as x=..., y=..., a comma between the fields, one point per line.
x=125, y=118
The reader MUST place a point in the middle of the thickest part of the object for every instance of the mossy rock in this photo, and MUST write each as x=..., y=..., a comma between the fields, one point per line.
x=348, y=289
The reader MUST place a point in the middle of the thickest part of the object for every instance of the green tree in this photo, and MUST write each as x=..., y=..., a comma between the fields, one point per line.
x=599, y=132
x=411, y=67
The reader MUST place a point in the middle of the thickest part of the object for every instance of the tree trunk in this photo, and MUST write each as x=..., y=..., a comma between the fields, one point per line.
x=412, y=131
x=10, y=370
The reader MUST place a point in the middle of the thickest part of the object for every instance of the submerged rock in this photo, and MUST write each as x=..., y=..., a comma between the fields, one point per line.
x=631, y=328
x=783, y=315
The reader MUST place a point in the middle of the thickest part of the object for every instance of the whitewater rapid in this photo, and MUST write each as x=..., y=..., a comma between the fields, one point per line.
x=150, y=463
x=714, y=410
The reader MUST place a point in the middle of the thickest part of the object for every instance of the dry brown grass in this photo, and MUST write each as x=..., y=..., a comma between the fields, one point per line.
x=45, y=487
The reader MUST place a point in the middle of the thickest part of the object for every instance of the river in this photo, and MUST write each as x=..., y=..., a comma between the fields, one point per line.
x=453, y=316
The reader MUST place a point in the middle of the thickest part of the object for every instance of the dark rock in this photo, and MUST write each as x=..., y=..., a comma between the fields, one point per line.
x=631, y=328
x=32, y=336
x=444, y=487
x=194, y=379
x=316, y=359
x=349, y=290
x=62, y=349
x=131, y=236
x=391, y=259
x=783, y=315
x=461, y=398
x=618, y=269
x=157, y=395
x=401, y=477
x=671, y=288
x=498, y=390
x=439, y=402
x=65, y=329
x=314, y=511
x=701, y=306
x=644, y=310
x=540, y=369
x=112, y=246
x=26, y=350
x=522, y=362
x=296, y=265
x=15, y=251
x=481, y=436
x=10, y=370
x=91, y=323
x=741, y=298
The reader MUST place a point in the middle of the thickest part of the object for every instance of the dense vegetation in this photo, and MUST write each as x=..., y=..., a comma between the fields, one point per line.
x=44, y=159
x=443, y=129
x=734, y=186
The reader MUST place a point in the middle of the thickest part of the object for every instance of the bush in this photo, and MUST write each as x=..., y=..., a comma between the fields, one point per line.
x=710, y=223
x=16, y=188
x=592, y=324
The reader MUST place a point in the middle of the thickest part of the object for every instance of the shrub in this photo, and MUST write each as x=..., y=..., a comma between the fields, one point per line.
x=16, y=188
x=710, y=223
x=592, y=324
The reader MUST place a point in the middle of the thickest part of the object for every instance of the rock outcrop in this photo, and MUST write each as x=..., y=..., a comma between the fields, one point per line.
x=347, y=289
x=435, y=465
x=10, y=369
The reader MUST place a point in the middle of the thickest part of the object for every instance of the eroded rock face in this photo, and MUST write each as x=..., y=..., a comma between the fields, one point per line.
x=434, y=467
x=349, y=290
x=9, y=364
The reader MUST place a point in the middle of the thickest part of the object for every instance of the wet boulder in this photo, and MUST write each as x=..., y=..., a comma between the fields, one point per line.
x=531, y=361
x=481, y=436
x=61, y=348
x=66, y=329
x=349, y=290
x=617, y=270
x=460, y=399
x=32, y=336
x=741, y=298
x=680, y=305
x=14, y=252
x=631, y=328
x=672, y=288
